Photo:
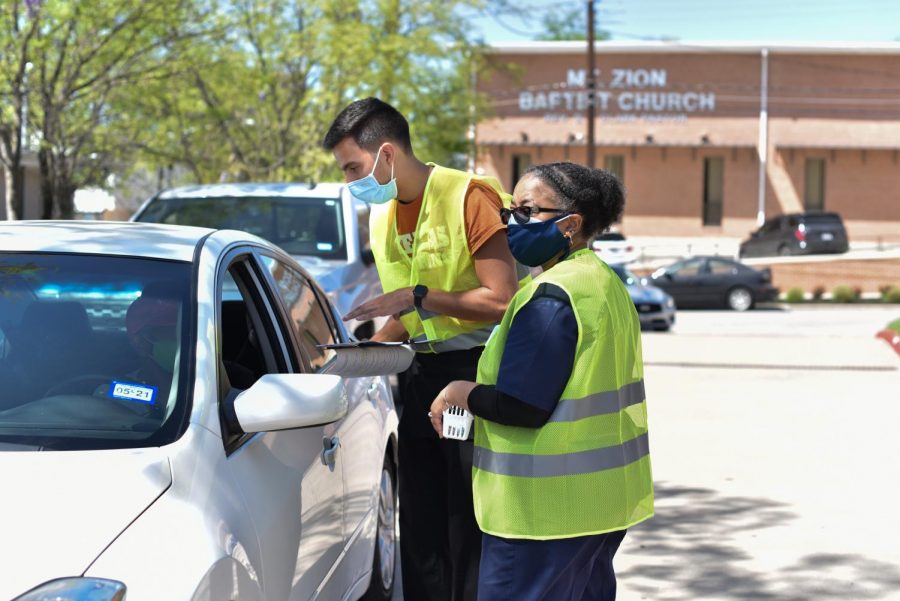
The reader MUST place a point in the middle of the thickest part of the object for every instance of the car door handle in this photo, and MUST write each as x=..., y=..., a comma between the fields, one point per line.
x=330, y=451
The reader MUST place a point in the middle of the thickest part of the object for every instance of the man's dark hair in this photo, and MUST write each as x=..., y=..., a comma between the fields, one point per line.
x=370, y=122
x=595, y=194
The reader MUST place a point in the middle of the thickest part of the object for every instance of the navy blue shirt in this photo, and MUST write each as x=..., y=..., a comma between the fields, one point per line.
x=536, y=365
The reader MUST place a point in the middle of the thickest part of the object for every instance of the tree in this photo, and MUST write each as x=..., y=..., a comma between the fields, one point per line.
x=255, y=103
x=232, y=90
x=18, y=29
x=569, y=25
x=84, y=56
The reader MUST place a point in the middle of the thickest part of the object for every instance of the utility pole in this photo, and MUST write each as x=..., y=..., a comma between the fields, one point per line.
x=591, y=83
x=763, y=146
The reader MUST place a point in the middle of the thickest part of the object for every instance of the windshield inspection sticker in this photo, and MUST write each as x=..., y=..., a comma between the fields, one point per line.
x=129, y=391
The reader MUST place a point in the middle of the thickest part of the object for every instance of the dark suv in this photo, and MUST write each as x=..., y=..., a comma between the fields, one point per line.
x=797, y=234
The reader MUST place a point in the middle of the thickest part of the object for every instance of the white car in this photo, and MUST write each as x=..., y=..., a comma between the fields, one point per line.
x=321, y=225
x=614, y=249
x=170, y=426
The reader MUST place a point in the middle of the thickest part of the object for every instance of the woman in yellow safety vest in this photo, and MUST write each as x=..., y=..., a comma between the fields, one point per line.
x=562, y=465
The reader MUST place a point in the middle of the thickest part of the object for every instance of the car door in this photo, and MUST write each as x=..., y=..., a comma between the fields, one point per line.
x=293, y=495
x=361, y=434
x=682, y=281
x=721, y=276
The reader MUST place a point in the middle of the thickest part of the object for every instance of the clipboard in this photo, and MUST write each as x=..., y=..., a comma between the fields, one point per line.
x=372, y=344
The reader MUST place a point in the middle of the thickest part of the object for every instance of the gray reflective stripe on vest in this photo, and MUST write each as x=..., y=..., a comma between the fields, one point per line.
x=460, y=342
x=602, y=403
x=569, y=464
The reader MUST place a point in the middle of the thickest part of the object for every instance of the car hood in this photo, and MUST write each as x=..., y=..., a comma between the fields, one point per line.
x=61, y=509
x=647, y=294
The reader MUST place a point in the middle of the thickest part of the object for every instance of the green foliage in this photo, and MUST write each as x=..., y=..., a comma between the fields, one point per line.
x=892, y=295
x=569, y=24
x=794, y=295
x=254, y=103
x=237, y=90
x=843, y=294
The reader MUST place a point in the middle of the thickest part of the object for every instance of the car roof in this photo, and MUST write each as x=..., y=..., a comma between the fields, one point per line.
x=810, y=214
x=174, y=242
x=262, y=190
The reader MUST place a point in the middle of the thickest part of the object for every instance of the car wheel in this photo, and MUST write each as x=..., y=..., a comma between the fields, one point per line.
x=381, y=587
x=784, y=250
x=739, y=299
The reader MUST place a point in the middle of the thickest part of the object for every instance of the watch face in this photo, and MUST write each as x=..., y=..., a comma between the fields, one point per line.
x=419, y=293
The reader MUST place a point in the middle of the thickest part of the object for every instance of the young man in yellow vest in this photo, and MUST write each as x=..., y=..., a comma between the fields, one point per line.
x=448, y=275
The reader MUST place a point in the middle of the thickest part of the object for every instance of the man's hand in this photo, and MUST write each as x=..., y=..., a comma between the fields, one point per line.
x=392, y=303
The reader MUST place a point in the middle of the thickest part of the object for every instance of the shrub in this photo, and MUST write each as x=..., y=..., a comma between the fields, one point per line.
x=794, y=295
x=843, y=294
x=818, y=292
x=857, y=293
x=891, y=295
x=883, y=290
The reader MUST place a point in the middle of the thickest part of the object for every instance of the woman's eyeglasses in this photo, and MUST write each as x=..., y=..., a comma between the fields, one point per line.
x=523, y=214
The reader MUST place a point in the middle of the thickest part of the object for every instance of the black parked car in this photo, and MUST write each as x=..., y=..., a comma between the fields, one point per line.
x=797, y=234
x=713, y=282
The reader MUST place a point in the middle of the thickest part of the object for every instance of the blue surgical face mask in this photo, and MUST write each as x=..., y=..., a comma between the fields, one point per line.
x=536, y=242
x=367, y=189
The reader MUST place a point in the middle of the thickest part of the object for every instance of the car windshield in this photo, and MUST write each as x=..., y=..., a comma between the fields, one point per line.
x=92, y=350
x=301, y=226
x=627, y=277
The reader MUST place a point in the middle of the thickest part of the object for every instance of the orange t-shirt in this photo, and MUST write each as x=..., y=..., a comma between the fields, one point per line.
x=482, y=215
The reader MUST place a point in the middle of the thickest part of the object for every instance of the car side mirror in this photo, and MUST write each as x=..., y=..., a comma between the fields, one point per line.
x=367, y=257
x=287, y=401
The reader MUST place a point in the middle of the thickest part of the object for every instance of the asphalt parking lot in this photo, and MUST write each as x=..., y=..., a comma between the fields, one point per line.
x=774, y=455
x=774, y=449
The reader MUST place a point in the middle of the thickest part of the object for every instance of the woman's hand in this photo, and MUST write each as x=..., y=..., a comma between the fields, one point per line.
x=455, y=393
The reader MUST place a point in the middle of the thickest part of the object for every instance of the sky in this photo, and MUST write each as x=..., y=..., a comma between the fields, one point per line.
x=707, y=20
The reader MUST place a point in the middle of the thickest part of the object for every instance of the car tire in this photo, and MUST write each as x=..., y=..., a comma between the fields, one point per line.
x=784, y=251
x=384, y=565
x=739, y=299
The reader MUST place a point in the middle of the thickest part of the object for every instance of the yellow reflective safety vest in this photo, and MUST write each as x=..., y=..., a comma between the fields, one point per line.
x=587, y=470
x=441, y=258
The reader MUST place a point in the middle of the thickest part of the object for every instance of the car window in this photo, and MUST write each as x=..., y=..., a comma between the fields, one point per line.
x=770, y=226
x=107, y=335
x=720, y=267
x=246, y=352
x=309, y=319
x=822, y=219
x=301, y=226
x=691, y=267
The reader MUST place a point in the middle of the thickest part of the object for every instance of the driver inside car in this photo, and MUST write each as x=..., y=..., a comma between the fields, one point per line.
x=151, y=324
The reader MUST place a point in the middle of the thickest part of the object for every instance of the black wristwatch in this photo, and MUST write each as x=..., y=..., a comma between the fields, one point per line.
x=419, y=293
